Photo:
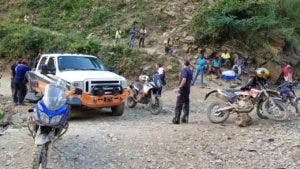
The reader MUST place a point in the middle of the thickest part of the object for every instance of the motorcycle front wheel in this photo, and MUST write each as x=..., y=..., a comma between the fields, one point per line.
x=277, y=111
x=131, y=103
x=214, y=116
x=155, y=106
x=39, y=157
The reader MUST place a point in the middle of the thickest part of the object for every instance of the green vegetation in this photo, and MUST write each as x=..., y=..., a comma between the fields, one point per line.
x=251, y=22
x=2, y=113
x=22, y=40
x=82, y=16
x=64, y=25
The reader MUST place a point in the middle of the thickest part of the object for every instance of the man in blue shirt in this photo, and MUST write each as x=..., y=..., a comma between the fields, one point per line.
x=132, y=33
x=183, y=100
x=13, y=74
x=20, y=82
x=200, y=68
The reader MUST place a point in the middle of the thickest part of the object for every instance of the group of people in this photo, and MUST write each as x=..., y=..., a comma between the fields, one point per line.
x=142, y=32
x=260, y=77
x=213, y=65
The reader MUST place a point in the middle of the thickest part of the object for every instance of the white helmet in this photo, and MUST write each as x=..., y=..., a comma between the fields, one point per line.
x=144, y=78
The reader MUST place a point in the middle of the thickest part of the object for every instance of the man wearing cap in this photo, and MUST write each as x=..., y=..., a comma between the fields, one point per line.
x=20, y=82
x=183, y=100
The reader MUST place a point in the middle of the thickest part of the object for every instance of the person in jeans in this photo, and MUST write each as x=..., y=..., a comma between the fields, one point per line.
x=143, y=33
x=200, y=68
x=20, y=82
x=132, y=37
x=162, y=75
x=183, y=100
x=13, y=74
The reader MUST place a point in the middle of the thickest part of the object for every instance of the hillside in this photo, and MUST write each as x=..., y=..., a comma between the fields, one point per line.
x=260, y=31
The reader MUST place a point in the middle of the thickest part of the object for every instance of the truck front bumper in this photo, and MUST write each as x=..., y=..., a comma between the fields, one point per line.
x=105, y=100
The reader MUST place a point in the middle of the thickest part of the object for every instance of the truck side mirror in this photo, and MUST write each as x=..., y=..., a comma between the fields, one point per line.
x=45, y=69
x=112, y=69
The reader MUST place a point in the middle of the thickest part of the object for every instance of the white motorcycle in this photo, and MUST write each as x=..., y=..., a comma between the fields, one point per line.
x=146, y=92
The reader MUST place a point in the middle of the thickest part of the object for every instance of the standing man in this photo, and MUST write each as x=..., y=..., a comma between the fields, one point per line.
x=118, y=36
x=183, y=100
x=143, y=33
x=132, y=37
x=20, y=82
x=200, y=68
x=13, y=74
x=287, y=72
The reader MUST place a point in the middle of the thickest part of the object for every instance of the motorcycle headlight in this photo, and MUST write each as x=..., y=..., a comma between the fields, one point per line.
x=55, y=119
x=44, y=118
x=124, y=84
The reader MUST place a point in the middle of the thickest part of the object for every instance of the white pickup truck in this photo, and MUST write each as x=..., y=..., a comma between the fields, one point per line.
x=89, y=82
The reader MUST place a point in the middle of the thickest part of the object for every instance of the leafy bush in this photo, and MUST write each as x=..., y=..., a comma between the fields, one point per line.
x=26, y=41
x=253, y=22
x=100, y=15
x=20, y=40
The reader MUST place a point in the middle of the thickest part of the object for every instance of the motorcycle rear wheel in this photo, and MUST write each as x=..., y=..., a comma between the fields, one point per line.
x=39, y=157
x=279, y=113
x=216, y=117
x=131, y=103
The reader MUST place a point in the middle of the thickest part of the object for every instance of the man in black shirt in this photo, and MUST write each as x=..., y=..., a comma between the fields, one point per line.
x=183, y=94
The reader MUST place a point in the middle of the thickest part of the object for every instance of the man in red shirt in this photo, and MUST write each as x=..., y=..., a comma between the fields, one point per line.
x=287, y=72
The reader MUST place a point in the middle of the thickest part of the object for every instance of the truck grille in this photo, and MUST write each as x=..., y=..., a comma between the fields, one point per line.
x=99, y=88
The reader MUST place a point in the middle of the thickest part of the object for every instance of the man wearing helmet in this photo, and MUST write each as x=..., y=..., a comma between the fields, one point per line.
x=260, y=78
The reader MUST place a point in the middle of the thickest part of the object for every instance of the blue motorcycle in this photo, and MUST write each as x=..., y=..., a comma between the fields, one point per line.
x=288, y=94
x=48, y=121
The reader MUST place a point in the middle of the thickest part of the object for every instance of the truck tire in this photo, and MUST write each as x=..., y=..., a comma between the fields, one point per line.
x=118, y=110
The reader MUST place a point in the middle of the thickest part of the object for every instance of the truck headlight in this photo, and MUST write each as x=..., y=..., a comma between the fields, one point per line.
x=78, y=85
x=44, y=118
x=124, y=84
x=55, y=119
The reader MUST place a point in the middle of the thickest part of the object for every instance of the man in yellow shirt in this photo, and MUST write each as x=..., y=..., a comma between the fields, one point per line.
x=118, y=36
x=225, y=57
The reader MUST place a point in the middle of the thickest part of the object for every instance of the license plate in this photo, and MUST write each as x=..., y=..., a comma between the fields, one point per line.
x=109, y=99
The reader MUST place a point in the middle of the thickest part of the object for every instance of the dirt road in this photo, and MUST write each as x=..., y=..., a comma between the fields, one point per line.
x=140, y=140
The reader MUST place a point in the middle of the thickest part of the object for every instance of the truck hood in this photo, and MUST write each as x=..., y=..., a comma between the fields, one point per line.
x=73, y=76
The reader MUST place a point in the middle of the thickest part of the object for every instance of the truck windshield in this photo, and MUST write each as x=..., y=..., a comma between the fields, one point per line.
x=69, y=63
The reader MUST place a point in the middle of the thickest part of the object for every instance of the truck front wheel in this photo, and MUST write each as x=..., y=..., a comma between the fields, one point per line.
x=118, y=110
